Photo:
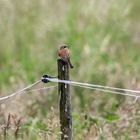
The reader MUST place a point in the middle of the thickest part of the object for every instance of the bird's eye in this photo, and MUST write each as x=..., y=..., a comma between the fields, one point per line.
x=63, y=47
x=66, y=46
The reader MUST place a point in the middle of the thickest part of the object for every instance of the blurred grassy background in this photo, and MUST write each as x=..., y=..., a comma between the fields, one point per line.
x=104, y=40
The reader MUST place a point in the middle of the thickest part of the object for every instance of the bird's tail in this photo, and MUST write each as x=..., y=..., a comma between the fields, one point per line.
x=71, y=66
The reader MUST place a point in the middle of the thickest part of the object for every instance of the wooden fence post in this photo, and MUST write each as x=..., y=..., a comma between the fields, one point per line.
x=65, y=101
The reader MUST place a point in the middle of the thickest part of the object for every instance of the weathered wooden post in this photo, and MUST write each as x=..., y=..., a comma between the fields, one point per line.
x=65, y=101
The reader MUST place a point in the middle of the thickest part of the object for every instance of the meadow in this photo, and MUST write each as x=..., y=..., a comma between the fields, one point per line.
x=103, y=36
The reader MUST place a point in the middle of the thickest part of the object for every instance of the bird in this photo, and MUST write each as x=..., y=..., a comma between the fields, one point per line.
x=64, y=54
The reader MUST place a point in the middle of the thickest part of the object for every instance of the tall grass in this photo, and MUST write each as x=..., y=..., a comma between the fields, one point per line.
x=104, y=41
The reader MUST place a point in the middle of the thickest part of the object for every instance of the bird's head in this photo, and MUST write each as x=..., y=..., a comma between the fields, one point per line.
x=63, y=47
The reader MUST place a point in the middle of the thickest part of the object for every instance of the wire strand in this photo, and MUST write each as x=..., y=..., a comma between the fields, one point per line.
x=105, y=90
x=25, y=91
x=92, y=85
x=44, y=88
x=3, y=99
x=102, y=88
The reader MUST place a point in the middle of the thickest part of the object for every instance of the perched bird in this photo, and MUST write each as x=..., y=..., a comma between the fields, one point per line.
x=64, y=54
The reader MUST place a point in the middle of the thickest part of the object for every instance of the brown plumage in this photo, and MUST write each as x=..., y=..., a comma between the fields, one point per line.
x=64, y=54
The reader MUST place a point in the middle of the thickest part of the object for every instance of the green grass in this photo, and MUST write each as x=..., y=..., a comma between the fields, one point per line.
x=104, y=40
